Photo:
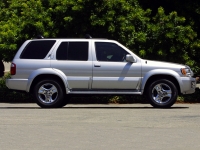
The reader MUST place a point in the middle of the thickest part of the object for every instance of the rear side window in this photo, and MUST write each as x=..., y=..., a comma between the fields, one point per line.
x=37, y=49
x=72, y=51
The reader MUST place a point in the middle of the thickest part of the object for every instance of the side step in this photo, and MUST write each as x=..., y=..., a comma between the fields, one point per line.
x=105, y=92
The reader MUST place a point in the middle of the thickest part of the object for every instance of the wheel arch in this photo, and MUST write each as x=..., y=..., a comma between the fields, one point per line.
x=46, y=76
x=162, y=76
x=44, y=73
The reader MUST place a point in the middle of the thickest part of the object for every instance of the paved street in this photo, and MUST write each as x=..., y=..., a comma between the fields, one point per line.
x=99, y=127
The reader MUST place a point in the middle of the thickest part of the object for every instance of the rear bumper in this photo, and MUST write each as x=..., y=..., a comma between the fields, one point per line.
x=17, y=84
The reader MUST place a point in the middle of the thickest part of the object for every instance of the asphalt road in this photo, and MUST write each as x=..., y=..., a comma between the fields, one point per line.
x=99, y=127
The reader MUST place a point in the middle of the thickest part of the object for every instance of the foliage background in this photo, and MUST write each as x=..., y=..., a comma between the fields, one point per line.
x=161, y=30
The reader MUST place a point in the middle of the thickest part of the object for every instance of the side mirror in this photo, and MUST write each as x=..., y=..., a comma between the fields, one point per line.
x=130, y=58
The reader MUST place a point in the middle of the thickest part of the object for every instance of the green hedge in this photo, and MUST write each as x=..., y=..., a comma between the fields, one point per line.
x=154, y=35
x=7, y=95
x=15, y=97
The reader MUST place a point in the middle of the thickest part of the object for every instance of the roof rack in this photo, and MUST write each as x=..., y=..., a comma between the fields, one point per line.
x=87, y=36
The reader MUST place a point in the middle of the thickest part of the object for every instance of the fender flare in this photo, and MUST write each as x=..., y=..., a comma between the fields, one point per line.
x=160, y=72
x=50, y=71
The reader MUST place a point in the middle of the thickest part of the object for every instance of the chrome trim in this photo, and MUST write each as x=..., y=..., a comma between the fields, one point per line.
x=104, y=92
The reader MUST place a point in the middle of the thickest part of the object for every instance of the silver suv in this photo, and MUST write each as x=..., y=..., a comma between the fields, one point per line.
x=55, y=69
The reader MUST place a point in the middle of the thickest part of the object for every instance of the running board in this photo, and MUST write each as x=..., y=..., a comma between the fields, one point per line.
x=105, y=92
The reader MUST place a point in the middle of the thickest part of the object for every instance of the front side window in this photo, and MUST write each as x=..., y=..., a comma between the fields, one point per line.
x=72, y=51
x=110, y=52
x=37, y=49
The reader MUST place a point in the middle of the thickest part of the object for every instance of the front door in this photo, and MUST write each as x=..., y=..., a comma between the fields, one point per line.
x=110, y=69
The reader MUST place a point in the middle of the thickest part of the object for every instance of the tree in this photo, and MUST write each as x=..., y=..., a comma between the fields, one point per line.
x=161, y=37
x=21, y=20
x=150, y=35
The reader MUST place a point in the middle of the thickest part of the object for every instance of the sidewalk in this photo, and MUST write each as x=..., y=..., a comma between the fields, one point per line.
x=7, y=67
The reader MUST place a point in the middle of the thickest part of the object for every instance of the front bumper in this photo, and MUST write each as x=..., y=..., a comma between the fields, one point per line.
x=188, y=85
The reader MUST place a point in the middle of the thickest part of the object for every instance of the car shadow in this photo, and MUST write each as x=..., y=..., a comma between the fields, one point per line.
x=91, y=107
x=88, y=107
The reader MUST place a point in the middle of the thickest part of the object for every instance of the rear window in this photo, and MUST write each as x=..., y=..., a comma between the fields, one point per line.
x=77, y=51
x=37, y=49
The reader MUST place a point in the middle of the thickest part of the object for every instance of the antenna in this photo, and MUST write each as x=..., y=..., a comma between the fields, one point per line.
x=40, y=37
x=87, y=36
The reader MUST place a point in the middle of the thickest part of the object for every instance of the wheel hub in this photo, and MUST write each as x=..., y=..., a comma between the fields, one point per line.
x=47, y=93
x=161, y=93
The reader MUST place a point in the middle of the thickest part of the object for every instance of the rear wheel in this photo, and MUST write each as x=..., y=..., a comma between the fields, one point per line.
x=66, y=100
x=162, y=93
x=48, y=94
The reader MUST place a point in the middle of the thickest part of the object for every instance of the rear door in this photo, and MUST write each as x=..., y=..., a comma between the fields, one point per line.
x=73, y=58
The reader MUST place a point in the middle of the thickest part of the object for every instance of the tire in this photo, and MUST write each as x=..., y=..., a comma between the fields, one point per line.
x=162, y=93
x=65, y=100
x=48, y=94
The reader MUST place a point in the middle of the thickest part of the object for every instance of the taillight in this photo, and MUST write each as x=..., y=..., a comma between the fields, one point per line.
x=13, y=69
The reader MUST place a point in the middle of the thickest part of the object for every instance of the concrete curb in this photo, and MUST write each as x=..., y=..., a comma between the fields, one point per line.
x=7, y=66
x=198, y=85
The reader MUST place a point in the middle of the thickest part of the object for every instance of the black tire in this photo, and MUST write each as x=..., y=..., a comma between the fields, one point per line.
x=65, y=100
x=48, y=94
x=162, y=93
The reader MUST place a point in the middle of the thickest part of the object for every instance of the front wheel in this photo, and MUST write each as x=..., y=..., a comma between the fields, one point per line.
x=162, y=93
x=48, y=94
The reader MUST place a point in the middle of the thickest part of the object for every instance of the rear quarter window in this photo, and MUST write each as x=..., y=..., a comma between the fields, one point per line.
x=37, y=49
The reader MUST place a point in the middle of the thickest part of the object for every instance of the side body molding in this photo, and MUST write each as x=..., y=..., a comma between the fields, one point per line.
x=51, y=71
x=161, y=72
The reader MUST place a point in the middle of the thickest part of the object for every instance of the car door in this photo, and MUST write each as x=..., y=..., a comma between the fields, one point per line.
x=110, y=69
x=73, y=58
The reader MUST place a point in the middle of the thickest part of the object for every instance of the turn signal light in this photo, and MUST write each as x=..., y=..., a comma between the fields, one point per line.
x=183, y=71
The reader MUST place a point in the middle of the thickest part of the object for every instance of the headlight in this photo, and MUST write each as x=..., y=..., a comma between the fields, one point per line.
x=187, y=72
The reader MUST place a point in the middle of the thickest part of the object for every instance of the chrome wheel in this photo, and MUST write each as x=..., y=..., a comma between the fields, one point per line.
x=47, y=93
x=161, y=93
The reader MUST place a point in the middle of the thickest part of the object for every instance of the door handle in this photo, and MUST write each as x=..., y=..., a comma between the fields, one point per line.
x=97, y=65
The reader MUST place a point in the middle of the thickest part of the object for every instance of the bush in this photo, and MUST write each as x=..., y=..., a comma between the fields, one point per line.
x=152, y=36
x=7, y=95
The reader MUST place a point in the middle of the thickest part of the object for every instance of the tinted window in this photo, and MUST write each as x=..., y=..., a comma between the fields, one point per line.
x=73, y=51
x=61, y=53
x=37, y=49
x=110, y=52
